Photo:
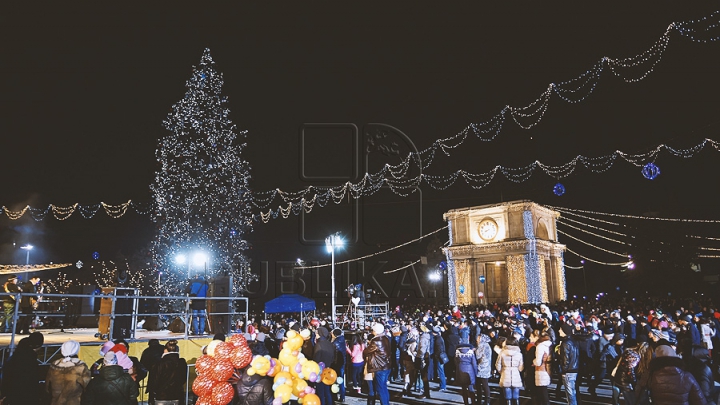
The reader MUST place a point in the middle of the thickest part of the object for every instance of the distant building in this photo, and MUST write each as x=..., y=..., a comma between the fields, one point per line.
x=506, y=252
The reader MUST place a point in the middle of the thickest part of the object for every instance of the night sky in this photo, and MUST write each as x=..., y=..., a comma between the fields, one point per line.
x=84, y=91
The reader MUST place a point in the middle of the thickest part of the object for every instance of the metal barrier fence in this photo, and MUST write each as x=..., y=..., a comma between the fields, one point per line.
x=13, y=314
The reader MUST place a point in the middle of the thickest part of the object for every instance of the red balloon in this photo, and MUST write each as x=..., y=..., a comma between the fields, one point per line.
x=204, y=364
x=203, y=386
x=241, y=356
x=222, y=394
x=223, y=350
x=222, y=370
x=206, y=400
x=238, y=340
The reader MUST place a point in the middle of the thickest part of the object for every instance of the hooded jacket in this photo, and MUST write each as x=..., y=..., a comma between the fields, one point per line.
x=465, y=365
x=669, y=384
x=510, y=364
x=66, y=381
x=112, y=386
x=542, y=356
x=483, y=353
x=254, y=390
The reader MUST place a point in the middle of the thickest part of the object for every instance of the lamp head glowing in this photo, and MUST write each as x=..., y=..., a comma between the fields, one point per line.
x=333, y=242
x=200, y=258
x=27, y=247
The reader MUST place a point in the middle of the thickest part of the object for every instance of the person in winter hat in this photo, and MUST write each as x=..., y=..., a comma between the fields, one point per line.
x=668, y=382
x=112, y=386
x=465, y=372
x=67, y=377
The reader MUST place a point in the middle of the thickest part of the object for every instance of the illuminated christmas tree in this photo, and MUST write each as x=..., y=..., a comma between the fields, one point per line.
x=201, y=189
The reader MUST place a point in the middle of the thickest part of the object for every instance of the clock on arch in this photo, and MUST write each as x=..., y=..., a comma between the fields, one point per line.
x=487, y=229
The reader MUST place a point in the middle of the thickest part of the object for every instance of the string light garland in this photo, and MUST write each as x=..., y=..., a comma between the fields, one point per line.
x=376, y=253
x=590, y=226
x=305, y=200
x=403, y=267
x=574, y=210
x=591, y=245
x=572, y=91
x=625, y=263
x=11, y=268
x=592, y=233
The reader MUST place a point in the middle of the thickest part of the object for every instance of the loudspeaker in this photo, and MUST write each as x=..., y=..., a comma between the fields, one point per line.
x=125, y=308
x=152, y=323
x=219, y=310
x=80, y=312
x=177, y=326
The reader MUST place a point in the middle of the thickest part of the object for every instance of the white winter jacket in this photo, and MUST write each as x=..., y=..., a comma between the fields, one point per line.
x=542, y=349
x=510, y=364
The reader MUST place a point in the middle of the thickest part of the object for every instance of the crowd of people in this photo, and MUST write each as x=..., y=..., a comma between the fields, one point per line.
x=659, y=352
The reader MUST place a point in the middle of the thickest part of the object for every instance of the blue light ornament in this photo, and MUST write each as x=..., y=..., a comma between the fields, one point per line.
x=650, y=171
x=559, y=189
x=462, y=289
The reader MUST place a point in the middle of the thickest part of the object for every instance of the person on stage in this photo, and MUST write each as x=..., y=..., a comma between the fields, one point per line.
x=9, y=287
x=28, y=304
x=198, y=289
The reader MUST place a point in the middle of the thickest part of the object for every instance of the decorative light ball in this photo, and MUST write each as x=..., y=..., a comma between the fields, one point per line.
x=241, y=356
x=224, y=350
x=222, y=370
x=222, y=393
x=203, y=386
x=204, y=364
x=462, y=289
x=559, y=189
x=650, y=171
x=238, y=340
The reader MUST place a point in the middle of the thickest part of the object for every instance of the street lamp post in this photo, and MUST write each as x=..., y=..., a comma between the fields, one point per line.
x=27, y=248
x=331, y=243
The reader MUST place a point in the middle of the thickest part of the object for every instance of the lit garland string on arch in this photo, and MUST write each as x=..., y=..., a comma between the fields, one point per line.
x=306, y=199
x=658, y=245
x=573, y=91
x=12, y=269
x=86, y=211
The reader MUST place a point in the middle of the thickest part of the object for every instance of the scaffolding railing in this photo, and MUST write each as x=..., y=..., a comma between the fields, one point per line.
x=235, y=311
x=359, y=316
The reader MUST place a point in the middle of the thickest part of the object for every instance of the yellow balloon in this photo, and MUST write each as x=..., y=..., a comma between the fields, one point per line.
x=299, y=387
x=290, y=334
x=282, y=374
x=310, y=367
x=287, y=358
x=283, y=392
x=293, y=343
x=261, y=365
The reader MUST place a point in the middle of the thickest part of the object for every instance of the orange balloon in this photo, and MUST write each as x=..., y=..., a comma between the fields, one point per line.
x=311, y=399
x=224, y=350
x=328, y=376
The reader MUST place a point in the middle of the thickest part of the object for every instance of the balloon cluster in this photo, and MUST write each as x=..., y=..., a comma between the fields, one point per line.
x=215, y=368
x=291, y=371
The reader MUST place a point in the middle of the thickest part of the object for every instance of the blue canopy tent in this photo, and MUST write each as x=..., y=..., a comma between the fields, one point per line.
x=290, y=303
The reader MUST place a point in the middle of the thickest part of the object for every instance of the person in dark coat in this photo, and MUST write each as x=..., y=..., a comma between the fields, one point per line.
x=168, y=376
x=324, y=352
x=254, y=389
x=259, y=347
x=112, y=386
x=338, y=339
x=465, y=372
x=452, y=341
x=152, y=354
x=198, y=289
x=697, y=362
x=27, y=305
x=21, y=373
x=668, y=383
x=438, y=351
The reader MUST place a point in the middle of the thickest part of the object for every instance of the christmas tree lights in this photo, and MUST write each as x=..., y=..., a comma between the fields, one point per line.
x=201, y=192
